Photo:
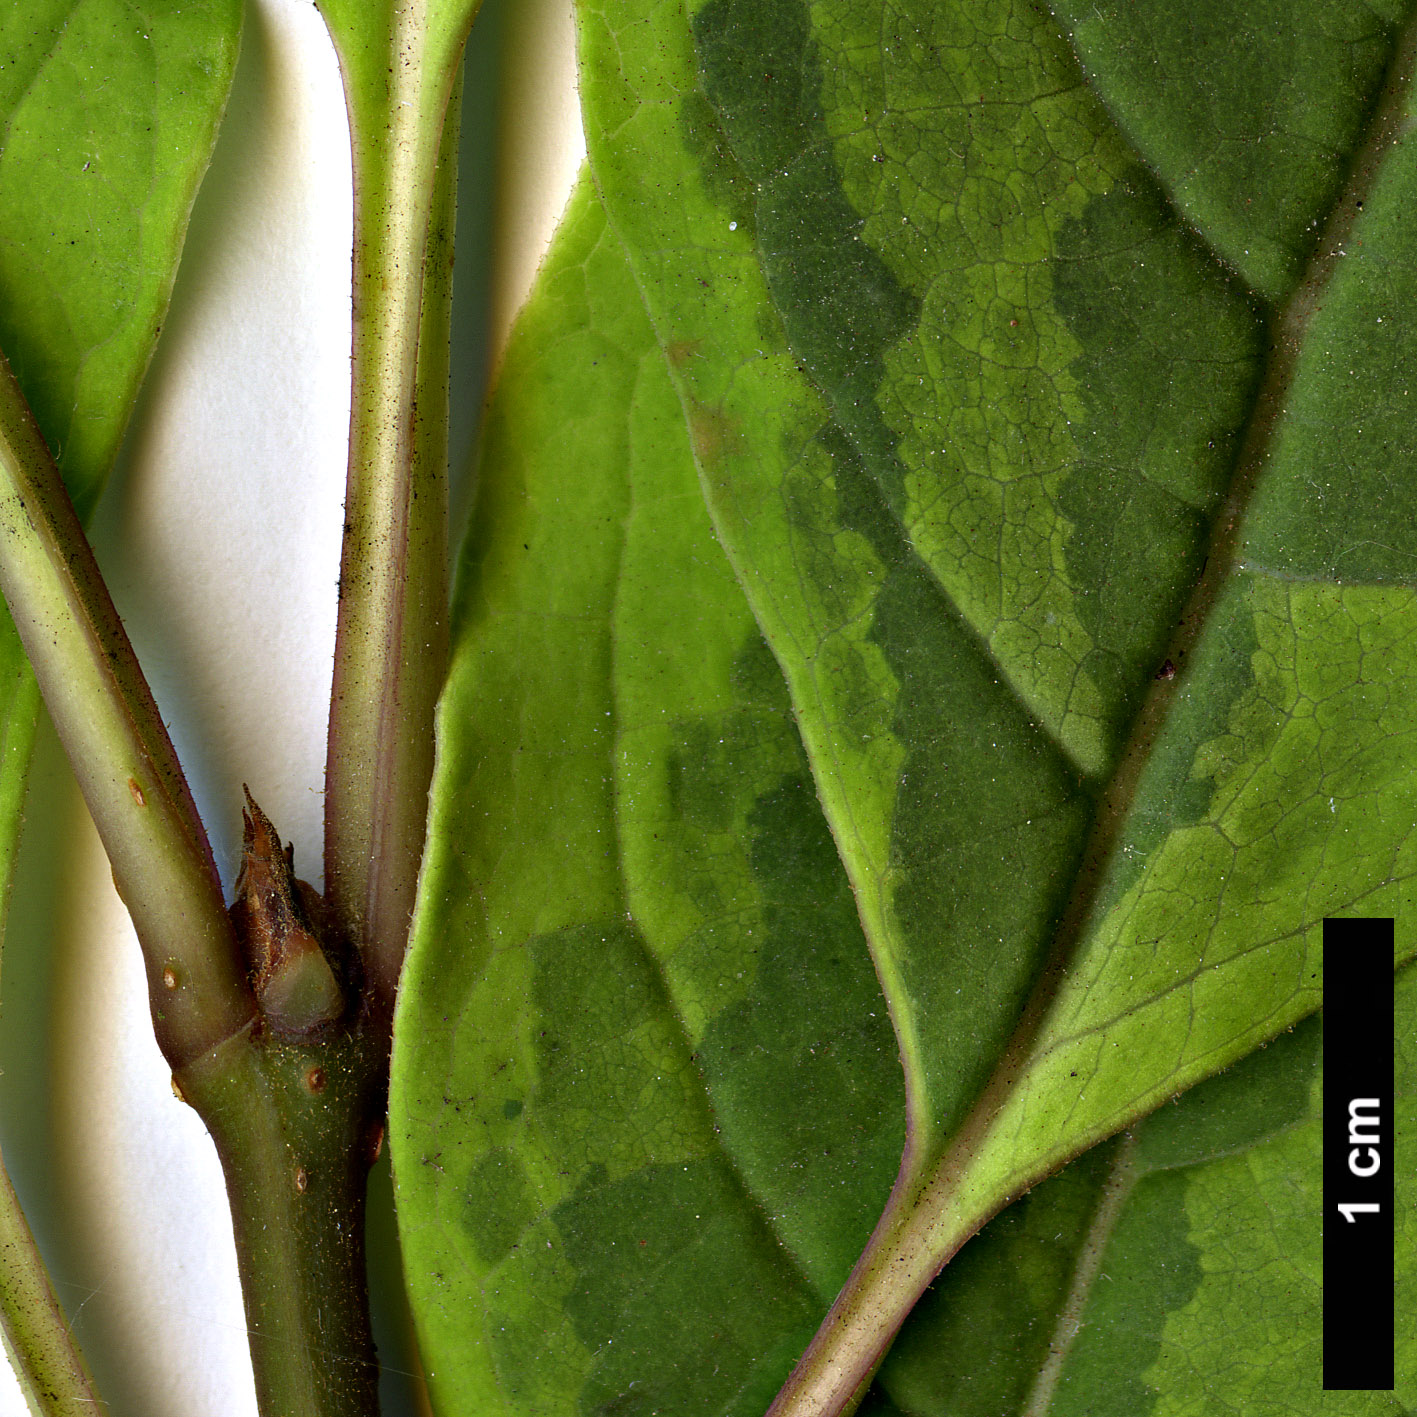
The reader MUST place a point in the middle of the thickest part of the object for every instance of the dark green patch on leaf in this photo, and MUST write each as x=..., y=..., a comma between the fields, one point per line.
x=809, y=1053
x=499, y=1204
x=845, y=307
x=1249, y=137
x=1259, y=1097
x=965, y=478
x=979, y=1340
x=1339, y=503
x=674, y=1325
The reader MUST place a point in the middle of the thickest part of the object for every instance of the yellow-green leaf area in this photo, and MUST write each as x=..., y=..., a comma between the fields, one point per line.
x=790, y=282
x=493, y=924
x=1059, y=1305
x=980, y=394
x=1216, y=942
x=1405, y=1172
x=700, y=731
x=108, y=113
x=1217, y=1233
x=1253, y=1216
x=1231, y=1232
x=733, y=877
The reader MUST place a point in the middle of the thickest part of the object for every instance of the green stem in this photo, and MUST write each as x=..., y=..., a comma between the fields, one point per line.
x=290, y=1121
x=391, y=638
x=293, y=1121
x=115, y=739
x=42, y=1350
x=296, y=1127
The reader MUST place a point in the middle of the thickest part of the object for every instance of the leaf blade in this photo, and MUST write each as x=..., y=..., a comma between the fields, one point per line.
x=574, y=1008
x=96, y=185
x=960, y=792
x=1146, y=1256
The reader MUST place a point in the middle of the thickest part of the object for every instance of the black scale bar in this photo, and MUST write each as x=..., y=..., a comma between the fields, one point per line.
x=1358, y=1154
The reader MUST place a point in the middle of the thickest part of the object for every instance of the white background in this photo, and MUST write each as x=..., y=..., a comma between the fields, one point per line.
x=220, y=540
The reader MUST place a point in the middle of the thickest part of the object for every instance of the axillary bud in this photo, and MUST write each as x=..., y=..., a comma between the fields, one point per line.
x=274, y=917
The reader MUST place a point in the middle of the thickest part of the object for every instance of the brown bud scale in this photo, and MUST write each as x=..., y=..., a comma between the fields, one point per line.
x=272, y=915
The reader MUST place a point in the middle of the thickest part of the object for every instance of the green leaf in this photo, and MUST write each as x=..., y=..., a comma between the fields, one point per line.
x=107, y=121
x=1062, y=508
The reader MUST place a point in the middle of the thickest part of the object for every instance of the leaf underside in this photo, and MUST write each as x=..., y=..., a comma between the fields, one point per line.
x=942, y=543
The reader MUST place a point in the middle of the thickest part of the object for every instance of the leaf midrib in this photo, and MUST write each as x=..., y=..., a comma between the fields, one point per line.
x=1114, y=794
x=1286, y=330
